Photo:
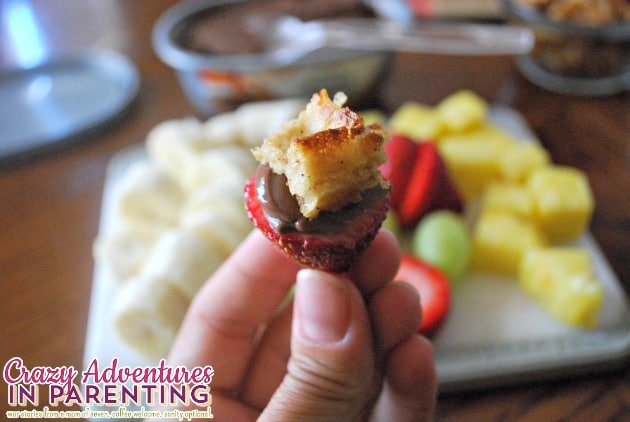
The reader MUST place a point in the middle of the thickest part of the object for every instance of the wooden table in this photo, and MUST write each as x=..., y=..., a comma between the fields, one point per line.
x=50, y=206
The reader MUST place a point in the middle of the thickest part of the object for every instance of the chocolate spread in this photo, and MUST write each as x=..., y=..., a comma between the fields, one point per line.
x=226, y=29
x=283, y=213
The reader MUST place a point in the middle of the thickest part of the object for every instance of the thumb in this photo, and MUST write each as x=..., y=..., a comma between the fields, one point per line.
x=330, y=374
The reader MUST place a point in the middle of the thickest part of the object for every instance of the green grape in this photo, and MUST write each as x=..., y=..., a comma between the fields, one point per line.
x=442, y=239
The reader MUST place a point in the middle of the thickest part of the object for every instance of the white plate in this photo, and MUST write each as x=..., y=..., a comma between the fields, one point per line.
x=494, y=335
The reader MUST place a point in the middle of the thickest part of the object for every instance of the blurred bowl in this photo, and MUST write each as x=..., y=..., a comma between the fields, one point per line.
x=220, y=82
x=574, y=58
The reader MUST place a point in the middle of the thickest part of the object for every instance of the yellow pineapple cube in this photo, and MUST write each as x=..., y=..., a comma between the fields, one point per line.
x=484, y=132
x=508, y=197
x=462, y=110
x=563, y=282
x=500, y=240
x=373, y=116
x=416, y=121
x=563, y=201
x=521, y=158
x=473, y=158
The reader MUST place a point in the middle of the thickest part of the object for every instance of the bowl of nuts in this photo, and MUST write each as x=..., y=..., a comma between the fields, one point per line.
x=582, y=46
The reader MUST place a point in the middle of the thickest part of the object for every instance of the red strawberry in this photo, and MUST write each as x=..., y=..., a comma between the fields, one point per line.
x=330, y=251
x=448, y=196
x=421, y=188
x=401, y=153
x=429, y=187
x=434, y=290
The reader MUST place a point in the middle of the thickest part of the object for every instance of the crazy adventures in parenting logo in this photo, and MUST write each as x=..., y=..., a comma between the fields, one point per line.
x=109, y=385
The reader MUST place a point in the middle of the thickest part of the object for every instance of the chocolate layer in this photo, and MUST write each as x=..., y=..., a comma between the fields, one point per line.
x=282, y=210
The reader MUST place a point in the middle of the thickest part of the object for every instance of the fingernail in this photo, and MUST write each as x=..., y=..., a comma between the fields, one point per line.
x=322, y=306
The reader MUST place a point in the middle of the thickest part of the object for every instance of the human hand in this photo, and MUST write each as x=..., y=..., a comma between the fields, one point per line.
x=345, y=348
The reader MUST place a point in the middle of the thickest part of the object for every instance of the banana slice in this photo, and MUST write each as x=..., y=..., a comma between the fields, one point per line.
x=147, y=313
x=215, y=231
x=183, y=258
x=146, y=194
x=173, y=144
x=221, y=129
x=228, y=164
x=122, y=252
x=223, y=200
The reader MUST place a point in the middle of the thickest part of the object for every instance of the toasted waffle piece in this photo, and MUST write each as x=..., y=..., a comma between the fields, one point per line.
x=327, y=154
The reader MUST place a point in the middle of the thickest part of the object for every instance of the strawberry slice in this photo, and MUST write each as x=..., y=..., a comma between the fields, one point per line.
x=429, y=187
x=422, y=186
x=401, y=153
x=448, y=197
x=434, y=290
x=327, y=251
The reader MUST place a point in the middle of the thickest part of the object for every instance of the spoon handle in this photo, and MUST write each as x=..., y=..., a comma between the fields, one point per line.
x=450, y=39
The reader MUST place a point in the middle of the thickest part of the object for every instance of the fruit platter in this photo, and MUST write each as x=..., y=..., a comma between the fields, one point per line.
x=513, y=286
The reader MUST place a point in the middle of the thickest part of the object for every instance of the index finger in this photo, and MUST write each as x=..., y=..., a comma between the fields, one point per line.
x=224, y=319
x=378, y=264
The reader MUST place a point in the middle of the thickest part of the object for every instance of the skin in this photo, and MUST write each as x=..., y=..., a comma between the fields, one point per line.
x=345, y=348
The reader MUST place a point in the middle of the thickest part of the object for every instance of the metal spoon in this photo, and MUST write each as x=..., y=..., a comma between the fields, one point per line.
x=287, y=38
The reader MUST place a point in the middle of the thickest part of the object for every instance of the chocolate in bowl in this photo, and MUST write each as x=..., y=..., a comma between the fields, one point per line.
x=228, y=29
x=216, y=83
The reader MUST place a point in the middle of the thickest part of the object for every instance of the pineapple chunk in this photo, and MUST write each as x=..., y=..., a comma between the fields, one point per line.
x=509, y=197
x=563, y=201
x=500, y=240
x=484, y=132
x=416, y=121
x=473, y=158
x=371, y=116
x=521, y=158
x=462, y=111
x=563, y=282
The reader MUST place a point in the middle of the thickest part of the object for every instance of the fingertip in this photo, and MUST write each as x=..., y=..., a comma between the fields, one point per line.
x=411, y=368
x=411, y=291
x=389, y=240
x=410, y=388
x=395, y=313
x=378, y=264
